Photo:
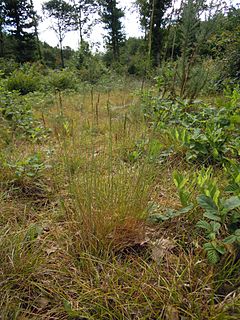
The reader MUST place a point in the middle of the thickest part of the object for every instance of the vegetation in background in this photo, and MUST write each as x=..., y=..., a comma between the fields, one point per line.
x=18, y=21
x=62, y=13
x=111, y=17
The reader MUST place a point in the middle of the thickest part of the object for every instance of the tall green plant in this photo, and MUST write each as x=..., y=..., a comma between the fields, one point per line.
x=191, y=74
x=111, y=17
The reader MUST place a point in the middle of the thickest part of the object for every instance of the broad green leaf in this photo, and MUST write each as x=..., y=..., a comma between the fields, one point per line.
x=237, y=232
x=186, y=209
x=212, y=216
x=212, y=254
x=184, y=196
x=179, y=180
x=170, y=214
x=212, y=236
x=231, y=203
x=204, y=225
x=208, y=204
x=230, y=239
x=237, y=179
x=220, y=249
x=216, y=196
x=215, y=226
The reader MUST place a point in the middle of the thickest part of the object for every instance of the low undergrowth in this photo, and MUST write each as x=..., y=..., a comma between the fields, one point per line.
x=111, y=212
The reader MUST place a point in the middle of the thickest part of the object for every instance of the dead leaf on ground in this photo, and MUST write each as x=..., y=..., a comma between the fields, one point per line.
x=162, y=248
x=51, y=250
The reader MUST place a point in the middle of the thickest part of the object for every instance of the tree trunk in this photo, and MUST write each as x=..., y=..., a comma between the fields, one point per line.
x=61, y=52
x=155, y=32
x=150, y=48
x=1, y=43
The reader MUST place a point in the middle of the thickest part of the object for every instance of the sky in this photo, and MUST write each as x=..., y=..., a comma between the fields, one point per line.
x=132, y=28
x=131, y=23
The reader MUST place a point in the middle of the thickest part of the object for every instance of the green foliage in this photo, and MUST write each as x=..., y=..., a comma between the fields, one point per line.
x=220, y=214
x=148, y=149
x=224, y=45
x=233, y=171
x=62, y=14
x=17, y=114
x=84, y=11
x=18, y=24
x=22, y=81
x=156, y=217
x=24, y=174
x=60, y=80
x=89, y=67
x=31, y=167
x=180, y=182
x=33, y=232
x=137, y=152
x=233, y=238
x=203, y=133
x=8, y=66
x=214, y=251
x=133, y=57
x=111, y=17
x=186, y=38
x=220, y=210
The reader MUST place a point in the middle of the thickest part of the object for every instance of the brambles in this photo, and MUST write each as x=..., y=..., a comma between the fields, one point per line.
x=203, y=133
x=17, y=114
x=220, y=215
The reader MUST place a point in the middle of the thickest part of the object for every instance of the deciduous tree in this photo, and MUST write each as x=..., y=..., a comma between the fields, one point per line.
x=84, y=11
x=152, y=20
x=62, y=14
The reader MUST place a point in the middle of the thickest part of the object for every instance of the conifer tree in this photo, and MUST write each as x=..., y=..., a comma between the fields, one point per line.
x=111, y=17
x=35, y=18
x=2, y=19
x=19, y=23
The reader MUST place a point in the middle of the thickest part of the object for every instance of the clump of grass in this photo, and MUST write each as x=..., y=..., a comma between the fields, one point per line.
x=105, y=198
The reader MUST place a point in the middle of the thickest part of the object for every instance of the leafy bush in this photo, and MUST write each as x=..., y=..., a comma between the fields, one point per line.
x=22, y=81
x=219, y=214
x=206, y=134
x=89, y=67
x=30, y=167
x=24, y=174
x=17, y=114
x=60, y=80
x=7, y=66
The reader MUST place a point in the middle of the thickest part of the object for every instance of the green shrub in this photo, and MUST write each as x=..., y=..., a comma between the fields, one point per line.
x=22, y=81
x=60, y=80
x=17, y=116
x=7, y=66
